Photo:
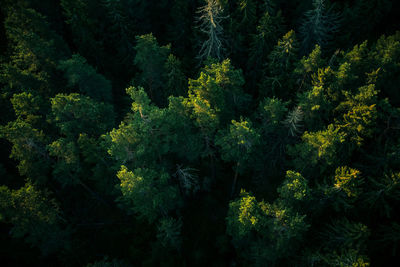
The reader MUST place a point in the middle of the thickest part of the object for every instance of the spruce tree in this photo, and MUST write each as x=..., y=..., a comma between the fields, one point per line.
x=210, y=17
x=318, y=26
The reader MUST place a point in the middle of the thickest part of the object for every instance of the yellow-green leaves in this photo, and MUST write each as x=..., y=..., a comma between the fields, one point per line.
x=34, y=216
x=216, y=95
x=348, y=180
x=244, y=214
x=294, y=187
x=319, y=147
x=274, y=228
x=75, y=114
x=239, y=142
x=147, y=193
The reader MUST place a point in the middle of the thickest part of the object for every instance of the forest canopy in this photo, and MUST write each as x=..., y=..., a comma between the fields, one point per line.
x=199, y=133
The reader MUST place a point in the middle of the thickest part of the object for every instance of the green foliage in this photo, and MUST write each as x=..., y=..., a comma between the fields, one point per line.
x=80, y=74
x=294, y=188
x=316, y=103
x=272, y=111
x=29, y=107
x=29, y=148
x=267, y=34
x=34, y=216
x=83, y=19
x=385, y=190
x=130, y=142
x=346, y=234
x=269, y=30
x=322, y=148
x=309, y=65
x=216, y=96
x=151, y=59
x=239, y=142
x=121, y=28
x=348, y=180
x=176, y=81
x=243, y=216
x=268, y=231
x=147, y=193
x=36, y=50
x=279, y=80
x=359, y=121
x=318, y=26
x=74, y=114
x=311, y=126
x=346, y=258
x=169, y=232
x=390, y=235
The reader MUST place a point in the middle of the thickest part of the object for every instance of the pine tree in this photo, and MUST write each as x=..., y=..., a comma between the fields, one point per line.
x=293, y=121
x=35, y=216
x=147, y=193
x=279, y=80
x=263, y=232
x=35, y=51
x=268, y=31
x=238, y=145
x=27, y=136
x=151, y=59
x=318, y=26
x=79, y=73
x=209, y=20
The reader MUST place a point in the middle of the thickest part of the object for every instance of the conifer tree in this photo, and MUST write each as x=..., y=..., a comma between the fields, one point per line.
x=35, y=51
x=35, y=217
x=263, y=232
x=210, y=17
x=79, y=73
x=147, y=193
x=151, y=60
x=27, y=137
x=268, y=31
x=318, y=26
x=238, y=145
x=279, y=80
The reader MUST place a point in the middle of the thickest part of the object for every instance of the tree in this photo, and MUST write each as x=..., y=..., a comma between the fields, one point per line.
x=176, y=81
x=151, y=59
x=323, y=148
x=214, y=99
x=75, y=114
x=79, y=73
x=80, y=121
x=294, y=189
x=35, y=50
x=268, y=31
x=27, y=136
x=35, y=217
x=147, y=193
x=84, y=19
x=262, y=232
x=121, y=28
x=242, y=25
x=279, y=79
x=237, y=145
x=318, y=26
x=209, y=20
x=169, y=233
x=309, y=66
